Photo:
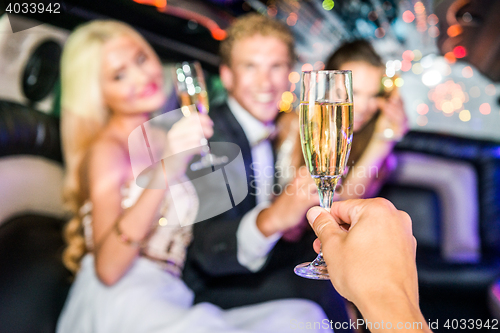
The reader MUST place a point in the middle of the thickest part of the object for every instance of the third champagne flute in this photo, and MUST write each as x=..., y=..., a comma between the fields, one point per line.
x=326, y=135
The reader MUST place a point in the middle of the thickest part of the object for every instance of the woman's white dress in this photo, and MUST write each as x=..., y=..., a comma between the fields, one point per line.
x=150, y=298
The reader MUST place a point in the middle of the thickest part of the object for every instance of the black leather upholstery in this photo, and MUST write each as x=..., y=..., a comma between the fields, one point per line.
x=28, y=132
x=33, y=280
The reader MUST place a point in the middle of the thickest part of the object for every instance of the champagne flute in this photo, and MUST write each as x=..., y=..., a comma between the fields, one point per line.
x=326, y=134
x=191, y=89
x=190, y=86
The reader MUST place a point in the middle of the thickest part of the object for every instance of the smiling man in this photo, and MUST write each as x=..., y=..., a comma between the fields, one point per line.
x=240, y=257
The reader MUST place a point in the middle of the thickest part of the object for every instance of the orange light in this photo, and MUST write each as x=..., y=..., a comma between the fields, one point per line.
x=450, y=57
x=454, y=30
x=408, y=16
x=294, y=77
x=156, y=3
x=218, y=34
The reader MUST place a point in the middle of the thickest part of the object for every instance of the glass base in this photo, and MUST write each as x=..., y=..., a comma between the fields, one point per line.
x=310, y=270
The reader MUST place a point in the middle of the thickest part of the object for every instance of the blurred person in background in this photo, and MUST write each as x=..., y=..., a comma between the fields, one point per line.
x=379, y=120
x=127, y=263
x=247, y=254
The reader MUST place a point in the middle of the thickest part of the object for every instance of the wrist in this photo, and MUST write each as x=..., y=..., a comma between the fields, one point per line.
x=266, y=222
x=396, y=306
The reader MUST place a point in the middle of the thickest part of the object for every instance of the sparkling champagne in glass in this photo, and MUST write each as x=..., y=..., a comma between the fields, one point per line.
x=326, y=134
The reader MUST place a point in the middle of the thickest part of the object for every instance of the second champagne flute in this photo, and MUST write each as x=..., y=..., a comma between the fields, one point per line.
x=326, y=135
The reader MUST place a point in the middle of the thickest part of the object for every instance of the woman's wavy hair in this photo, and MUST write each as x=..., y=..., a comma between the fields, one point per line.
x=83, y=116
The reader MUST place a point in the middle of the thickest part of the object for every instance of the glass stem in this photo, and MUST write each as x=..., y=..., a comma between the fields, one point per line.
x=326, y=191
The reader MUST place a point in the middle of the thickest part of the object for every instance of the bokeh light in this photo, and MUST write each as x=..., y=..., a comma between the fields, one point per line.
x=379, y=32
x=307, y=67
x=319, y=65
x=459, y=52
x=422, y=108
x=328, y=4
x=287, y=97
x=399, y=82
x=408, y=55
x=447, y=97
x=464, y=115
x=405, y=65
x=408, y=16
x=292, y=19
x=432, y=19
x=433, y=31
x=450, y=57
x=485, y=108
x=467, y=72
x=422, y=120
x=431, y=78
x=284, y=106
x=417, y=68
x=454, y=30
x=417, y=55
x=490, y=90
x=294, y=77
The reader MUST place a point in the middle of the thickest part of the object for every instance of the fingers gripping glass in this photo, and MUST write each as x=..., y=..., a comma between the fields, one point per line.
x=326, y=135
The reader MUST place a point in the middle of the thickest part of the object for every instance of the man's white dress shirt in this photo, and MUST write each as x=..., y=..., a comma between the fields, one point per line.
x=253, y=246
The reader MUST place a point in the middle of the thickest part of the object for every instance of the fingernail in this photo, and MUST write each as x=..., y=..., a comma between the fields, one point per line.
x=313, y=213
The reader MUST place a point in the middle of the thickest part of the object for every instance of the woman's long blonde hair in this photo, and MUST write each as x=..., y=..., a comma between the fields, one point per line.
x=83, y=116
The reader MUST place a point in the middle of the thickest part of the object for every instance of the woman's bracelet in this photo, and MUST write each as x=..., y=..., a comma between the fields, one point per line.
x=127, y=240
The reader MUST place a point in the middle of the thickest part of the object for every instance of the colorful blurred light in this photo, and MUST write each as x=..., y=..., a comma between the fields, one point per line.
x=307, y=67
x=447, y=97
x=464, y=115
x=490, y=90
x=294, y=77
x=408, y=16
x=485, y=108
x=419, y=7
x=408, y=55
x=319, y=65
x=432, y=19
x=459, y=52
x=422, y=120
x=399, y=82
x=422, y=108
x=417, y=55
x=467, y=72
x=450, y=57
x=387, y=82
x=379, y=32
x=405, y=65
x=328, y=4
x=454, y=30
x=417, y=68
x=291, y=19
x=431, y=78
x=284, y=106
x=433, y=31
x=287, y=97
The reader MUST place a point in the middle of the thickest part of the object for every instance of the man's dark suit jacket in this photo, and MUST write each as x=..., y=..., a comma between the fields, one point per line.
x=212, y=270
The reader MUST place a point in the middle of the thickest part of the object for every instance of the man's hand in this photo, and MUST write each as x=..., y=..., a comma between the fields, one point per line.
x=289, y=208
x=370, y=252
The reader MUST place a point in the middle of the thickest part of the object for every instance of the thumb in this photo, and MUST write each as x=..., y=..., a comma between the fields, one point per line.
x=323, y=224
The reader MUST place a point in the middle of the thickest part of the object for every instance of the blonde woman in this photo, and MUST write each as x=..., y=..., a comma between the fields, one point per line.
x=127, y=267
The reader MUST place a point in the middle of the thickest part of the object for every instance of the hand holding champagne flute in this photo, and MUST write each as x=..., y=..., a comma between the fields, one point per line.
x=326, y=134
